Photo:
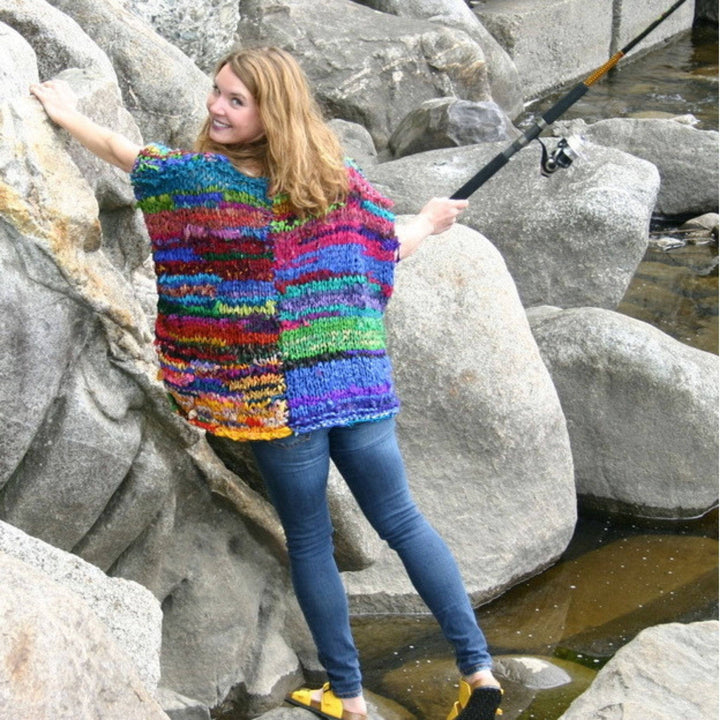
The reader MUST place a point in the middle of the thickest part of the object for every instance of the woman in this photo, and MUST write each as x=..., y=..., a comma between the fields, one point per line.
x=275, y=261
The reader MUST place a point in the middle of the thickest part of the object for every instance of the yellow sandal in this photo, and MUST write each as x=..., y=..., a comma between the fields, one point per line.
x=476, y=702
x=329, y=707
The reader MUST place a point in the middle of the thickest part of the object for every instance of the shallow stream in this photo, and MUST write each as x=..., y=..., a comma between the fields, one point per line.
x=618, y=576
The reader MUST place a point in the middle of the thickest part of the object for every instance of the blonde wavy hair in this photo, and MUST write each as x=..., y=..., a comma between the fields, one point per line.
x=299, y=153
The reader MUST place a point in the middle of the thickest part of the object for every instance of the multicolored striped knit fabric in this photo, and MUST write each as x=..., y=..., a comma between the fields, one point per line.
x=267, y=324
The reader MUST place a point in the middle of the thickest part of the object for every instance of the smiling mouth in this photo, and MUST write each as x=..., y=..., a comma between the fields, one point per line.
x=219, y=125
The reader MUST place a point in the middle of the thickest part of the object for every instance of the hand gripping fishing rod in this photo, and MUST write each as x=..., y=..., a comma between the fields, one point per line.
x=566, y=150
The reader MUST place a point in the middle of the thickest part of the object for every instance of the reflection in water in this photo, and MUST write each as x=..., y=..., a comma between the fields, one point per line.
x=615, y=578
x=613, y=581
x=677, y=291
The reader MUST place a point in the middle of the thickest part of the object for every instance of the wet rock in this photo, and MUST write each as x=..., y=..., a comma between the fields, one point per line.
x=703, y=225
x=668, y=671
x=593, y=217
x=480, y=414
x=532, y=672
x=641, y=410
x=449, y=122
x=546, y=702
x=666, y=242
x=687, y=158
x=59, y=660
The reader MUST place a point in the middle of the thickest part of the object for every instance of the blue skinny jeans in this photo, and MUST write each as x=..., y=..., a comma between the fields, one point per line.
x=295, y=470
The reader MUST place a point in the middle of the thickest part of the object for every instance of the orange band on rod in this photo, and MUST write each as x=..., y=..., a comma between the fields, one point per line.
x=609, y=65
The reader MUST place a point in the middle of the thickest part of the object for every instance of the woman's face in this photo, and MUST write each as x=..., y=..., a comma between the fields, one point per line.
x=234, y=115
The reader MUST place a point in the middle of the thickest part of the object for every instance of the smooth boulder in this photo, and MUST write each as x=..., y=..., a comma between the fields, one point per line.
x=130, y=613
x=642, y=411
x=666, y=672
x=449, y=122
x=58, y=659
x=686, y=157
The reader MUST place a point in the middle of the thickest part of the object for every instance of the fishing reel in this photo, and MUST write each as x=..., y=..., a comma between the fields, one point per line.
x=567, y=150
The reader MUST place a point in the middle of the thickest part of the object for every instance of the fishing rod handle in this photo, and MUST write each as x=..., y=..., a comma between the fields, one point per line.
x=481, y=177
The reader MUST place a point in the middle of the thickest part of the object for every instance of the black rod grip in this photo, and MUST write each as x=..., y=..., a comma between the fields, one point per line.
x=499, y=161
x=480, y=177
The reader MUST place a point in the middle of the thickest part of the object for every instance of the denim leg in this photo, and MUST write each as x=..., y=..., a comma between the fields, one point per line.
x=368, y=457
x=295, y=470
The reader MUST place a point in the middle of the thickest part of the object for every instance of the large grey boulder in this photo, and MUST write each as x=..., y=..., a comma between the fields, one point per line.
x=480, y=428
x=369, y=67
x=449, y=122
x=58, y=659
x=666, y=672
x=58, y=41
x=356, y=142
x=129, y=612
x=14, y=48
x=502, y=74
x=687, y=158
x=204, y=31
x=161, y=87
x=557, y=41
x=592, y=218
x=642, y=411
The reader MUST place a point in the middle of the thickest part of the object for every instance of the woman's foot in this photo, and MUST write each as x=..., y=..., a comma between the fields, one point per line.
x=478, y=699
x=482, y=678
x=355, y=704
x=324, y=703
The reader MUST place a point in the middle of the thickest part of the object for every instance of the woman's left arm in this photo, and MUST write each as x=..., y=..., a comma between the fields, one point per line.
x=437, y=215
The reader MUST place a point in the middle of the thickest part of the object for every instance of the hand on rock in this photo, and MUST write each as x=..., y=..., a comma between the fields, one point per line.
x=56, y=96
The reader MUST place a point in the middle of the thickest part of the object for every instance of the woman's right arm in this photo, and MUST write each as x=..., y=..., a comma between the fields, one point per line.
x=59, y=102
x=438, y=215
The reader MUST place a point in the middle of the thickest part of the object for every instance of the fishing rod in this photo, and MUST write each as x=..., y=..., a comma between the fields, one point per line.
x=568, y=148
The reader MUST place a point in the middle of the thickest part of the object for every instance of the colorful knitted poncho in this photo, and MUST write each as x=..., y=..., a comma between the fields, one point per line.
x=267, y=324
